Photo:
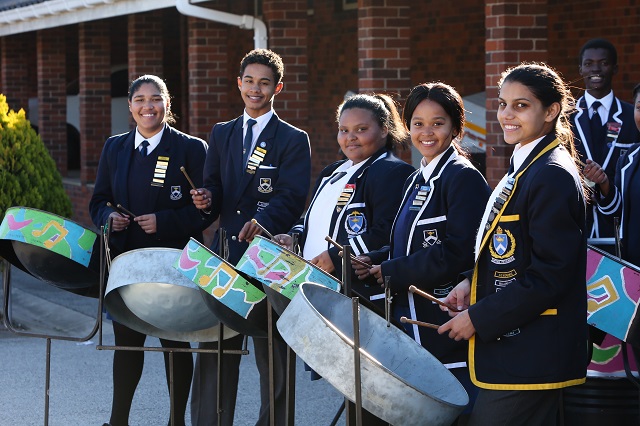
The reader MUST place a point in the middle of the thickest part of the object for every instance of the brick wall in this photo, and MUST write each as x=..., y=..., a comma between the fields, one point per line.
x=52, y=101
x=447, y=44
x=571, y=26
x=145, y=41
x=15, y=52
x=384, y=57
x=208, y=83
x=80, y=196
x=288, y=32
x=516, y=32
x=94, y=46
x=333, y=70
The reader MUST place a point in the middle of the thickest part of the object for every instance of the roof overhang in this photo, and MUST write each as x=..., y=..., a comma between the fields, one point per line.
x=58, y=13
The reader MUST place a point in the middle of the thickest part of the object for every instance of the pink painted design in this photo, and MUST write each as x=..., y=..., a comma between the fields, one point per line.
x=593, y=262
x=186, y=263
x=15, y=225
x=253, y=252
x=276, y=275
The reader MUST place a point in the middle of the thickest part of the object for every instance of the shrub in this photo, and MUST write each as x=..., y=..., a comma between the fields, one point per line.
x=28, y=174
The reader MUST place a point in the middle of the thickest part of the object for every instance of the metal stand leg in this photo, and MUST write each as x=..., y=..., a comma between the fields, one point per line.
x=356, y=359
x=272, y=396
x=47, y=383
x=172, y=418
x=291, y=387
x=219, y=390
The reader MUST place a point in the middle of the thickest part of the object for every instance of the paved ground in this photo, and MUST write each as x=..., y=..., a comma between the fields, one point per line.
x=80, y=383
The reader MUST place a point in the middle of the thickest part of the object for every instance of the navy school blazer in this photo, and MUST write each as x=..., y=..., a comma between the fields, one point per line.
x=274, y=194
x=439, y=248
x=528, y=287
x=605, y=153
x=618, y=201
x=177, y=219
x=364, y=221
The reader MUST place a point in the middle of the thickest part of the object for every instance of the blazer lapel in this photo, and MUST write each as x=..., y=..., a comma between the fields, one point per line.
x=584, y=126
x=235, y=149
x=121, y=190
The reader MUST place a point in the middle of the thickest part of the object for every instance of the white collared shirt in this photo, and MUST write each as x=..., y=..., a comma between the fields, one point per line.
x=520, y=153
x=154, y=140
x=603, y=109
x=427, y=168
x=319, y=218
x=261, y=123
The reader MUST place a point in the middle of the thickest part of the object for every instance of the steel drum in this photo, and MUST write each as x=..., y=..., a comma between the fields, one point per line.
x=51, y=248
x=234, y=298
x=281, y=271
x=145, y=293
x=402, y=383
x=613, y=295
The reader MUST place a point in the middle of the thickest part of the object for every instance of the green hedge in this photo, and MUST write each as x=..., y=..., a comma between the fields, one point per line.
x=28, y=174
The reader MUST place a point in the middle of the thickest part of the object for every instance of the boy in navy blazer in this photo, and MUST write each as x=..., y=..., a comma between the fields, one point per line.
x=257, y=167
x=602, y=138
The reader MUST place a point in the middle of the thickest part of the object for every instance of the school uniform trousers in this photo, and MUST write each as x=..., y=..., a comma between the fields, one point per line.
x=364, y=213
x=528, y=286
x=275, y=195
x=605, y=149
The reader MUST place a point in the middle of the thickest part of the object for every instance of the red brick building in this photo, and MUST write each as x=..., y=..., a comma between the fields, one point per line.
x=78, y=56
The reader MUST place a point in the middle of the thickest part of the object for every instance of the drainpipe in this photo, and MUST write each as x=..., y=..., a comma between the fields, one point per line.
x=246, y=22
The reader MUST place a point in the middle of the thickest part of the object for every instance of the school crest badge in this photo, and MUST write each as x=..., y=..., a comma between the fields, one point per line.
x=176, y=193
x=502, y=247
x=356, y=223
x=265, y=186
x=430, y=237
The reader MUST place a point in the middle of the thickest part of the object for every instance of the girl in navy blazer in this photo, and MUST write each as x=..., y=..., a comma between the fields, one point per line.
x=525, y=299
x=434, y=229
x=166, y=217
x=355, y=199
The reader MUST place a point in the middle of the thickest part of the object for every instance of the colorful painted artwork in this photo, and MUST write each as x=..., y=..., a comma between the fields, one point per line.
x=607, y=359
x=50, y=232
x=613, y=291
x=280, y=269
x=218, y=278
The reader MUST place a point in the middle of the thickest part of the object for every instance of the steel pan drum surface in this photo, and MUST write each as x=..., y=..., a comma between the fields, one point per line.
x=281, y=271
x=237, y=300
x=51, y=248
x=402, y=383
x=146, y=294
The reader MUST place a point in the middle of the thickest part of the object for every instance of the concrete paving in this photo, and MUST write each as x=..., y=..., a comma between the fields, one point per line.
x=80, y=381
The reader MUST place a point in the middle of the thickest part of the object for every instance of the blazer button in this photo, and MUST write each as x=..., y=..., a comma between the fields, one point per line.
x=234, y=238
x=238, y=212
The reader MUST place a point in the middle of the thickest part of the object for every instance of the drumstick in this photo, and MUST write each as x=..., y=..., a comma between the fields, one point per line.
x=416, y=290
x=355, y=259
x=114, y=208
x=420, y=323
x=126, y=211
x=255, y=222
x=184, y=172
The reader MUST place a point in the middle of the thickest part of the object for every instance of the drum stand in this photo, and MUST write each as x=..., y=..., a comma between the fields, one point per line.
x=6, y=278
x=346, y=283
x=171, y=351
x=290, y=373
